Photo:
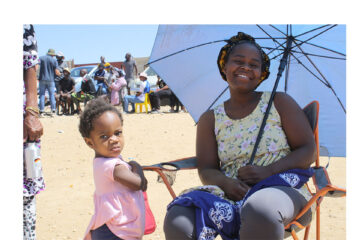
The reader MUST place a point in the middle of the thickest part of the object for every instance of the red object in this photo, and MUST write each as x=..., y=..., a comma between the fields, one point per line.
x=150, y=224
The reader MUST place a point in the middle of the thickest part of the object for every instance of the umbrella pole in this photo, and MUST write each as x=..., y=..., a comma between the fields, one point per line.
x=282, y=65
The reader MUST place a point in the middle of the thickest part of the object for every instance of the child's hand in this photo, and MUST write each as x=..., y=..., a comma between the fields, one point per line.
x=133, y=179
x=136, y=168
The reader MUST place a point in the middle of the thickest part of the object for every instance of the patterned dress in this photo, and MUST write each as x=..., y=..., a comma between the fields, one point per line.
x=215, y=213
x=236, y=139
x=31, y=187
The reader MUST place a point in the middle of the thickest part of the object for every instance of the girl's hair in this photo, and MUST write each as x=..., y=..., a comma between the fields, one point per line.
x=92, y=111
x=238, y=39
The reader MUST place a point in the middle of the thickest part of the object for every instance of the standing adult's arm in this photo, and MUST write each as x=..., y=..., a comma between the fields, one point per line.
x=32, y=127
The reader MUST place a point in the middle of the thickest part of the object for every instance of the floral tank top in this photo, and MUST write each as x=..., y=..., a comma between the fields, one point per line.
x=236, y=139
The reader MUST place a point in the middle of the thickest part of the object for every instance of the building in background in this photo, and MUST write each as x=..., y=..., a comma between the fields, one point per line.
x=140, y=63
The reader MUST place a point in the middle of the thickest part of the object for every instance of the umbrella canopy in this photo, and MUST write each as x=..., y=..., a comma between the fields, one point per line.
x=185, y=57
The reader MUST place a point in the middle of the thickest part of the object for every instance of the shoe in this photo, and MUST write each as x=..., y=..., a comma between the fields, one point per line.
x=171, y=111
x=155, y=112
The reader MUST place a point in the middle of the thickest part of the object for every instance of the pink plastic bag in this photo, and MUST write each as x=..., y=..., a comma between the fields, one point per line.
x=150, y=224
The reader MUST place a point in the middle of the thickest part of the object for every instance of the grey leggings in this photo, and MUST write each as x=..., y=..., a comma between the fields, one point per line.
x=263, y=216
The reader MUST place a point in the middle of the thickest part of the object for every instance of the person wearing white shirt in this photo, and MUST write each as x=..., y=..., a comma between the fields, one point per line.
x=139, y=97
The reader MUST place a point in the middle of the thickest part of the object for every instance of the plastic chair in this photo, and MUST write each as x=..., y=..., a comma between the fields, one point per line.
x=321, y=181
x=146, y=104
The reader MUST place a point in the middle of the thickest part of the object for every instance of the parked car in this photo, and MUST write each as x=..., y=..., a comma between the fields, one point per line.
x=152, y=79
x=75, y=74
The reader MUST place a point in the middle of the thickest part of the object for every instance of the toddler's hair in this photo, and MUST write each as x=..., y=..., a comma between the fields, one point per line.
x=93, y=110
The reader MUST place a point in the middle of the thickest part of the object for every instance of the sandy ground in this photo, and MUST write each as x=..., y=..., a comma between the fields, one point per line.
x=64, y=209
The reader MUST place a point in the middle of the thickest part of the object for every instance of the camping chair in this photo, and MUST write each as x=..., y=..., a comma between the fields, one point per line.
x=321, y=181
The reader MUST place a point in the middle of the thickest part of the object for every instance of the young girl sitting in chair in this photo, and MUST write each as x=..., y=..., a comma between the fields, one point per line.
x=118, y=199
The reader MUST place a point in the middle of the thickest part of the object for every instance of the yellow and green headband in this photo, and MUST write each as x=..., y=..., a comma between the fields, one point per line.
x=238, y=39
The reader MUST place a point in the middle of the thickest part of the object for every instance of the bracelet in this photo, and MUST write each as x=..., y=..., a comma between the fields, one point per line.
x=34, y=109
x=33, y=113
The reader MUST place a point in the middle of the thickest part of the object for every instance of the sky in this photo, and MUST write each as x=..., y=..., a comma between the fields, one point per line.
x=85, y=43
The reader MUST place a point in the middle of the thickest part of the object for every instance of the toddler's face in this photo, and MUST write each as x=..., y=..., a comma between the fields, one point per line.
x=106, y=138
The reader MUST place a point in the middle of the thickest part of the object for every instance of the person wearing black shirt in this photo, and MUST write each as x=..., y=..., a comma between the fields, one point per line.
x=66, y=88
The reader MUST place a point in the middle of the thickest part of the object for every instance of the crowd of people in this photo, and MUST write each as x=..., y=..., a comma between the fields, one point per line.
x=108, y=81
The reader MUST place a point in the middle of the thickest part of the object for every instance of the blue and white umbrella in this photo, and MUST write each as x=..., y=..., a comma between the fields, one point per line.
x=185, y=57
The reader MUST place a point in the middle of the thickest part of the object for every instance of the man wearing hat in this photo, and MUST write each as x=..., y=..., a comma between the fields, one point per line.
x=48, y=70
x=139, y=97
x=61, y=65
x=66, y=88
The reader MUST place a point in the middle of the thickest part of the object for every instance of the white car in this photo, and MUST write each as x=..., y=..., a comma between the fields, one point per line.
x=152, y=79
x=75, y=74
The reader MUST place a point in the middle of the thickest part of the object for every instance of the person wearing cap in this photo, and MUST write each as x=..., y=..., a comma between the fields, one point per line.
x=66, y=88
x=48, y=71
x=139, y=97
x=61, y=65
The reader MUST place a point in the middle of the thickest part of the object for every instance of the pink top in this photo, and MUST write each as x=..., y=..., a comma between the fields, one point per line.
x=122, y=209
x=116, y=86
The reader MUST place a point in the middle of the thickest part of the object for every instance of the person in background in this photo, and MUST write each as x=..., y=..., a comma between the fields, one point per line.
x=86, y=93
x=115, y=88
x=67, y=87
x=129, y=66
x=48, y=70
x=102, y=84
x=32, y=130
x=139, y=97
x=61, y=65
x=163, y=92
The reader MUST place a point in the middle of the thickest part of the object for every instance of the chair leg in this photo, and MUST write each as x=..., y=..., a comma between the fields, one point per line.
x=162, y=175
x=318, y=223
x=293, y=234
x=307, y=231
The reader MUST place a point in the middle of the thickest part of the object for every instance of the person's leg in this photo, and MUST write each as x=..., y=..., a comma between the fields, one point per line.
x=75, y=101
x=51, y=90
x=57, y=86
x=152, y=101
x=29, y=217
x=156, y=100
x=179, y=223
x=174, y=102
x=126, y=103
x=267, y=211
x=42, y=88
x=133, y=99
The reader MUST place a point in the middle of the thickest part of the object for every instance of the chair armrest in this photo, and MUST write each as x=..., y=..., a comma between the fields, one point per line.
x=172, y=166
x=176, y=165
x=321, y=180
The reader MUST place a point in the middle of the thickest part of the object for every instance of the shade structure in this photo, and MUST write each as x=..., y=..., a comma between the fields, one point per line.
x=185, y=57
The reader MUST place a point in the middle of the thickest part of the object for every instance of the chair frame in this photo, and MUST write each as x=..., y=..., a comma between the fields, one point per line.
x=321, y=180
x=146, y=104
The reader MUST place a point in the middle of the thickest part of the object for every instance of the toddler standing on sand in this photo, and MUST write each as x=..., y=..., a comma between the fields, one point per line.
x=118, y=199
